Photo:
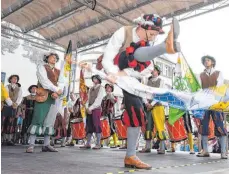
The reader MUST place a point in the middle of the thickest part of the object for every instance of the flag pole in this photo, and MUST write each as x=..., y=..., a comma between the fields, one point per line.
x=74, y=72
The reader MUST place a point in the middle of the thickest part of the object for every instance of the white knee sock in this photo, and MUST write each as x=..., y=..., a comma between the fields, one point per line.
x=46, y=140
x=132, y=138
x=32, y=139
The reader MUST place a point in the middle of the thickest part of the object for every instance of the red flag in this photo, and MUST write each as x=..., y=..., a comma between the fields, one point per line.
x=83, y=89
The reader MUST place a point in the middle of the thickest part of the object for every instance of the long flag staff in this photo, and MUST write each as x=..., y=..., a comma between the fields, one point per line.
x=69, y=58
x=199, y=135
x=74, y=71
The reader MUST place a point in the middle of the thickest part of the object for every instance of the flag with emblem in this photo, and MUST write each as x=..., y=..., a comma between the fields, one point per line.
x=184, y=80
x=83, y=94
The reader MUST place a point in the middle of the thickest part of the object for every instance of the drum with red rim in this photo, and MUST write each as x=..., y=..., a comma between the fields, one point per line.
x=211, y=128
x=106, y=132
x=78, y=129
x=177, y=132
x=120, y=128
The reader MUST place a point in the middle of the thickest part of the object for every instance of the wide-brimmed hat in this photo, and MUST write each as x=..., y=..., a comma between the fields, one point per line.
x=97, y=77
x=208, y=57
x=112, y=87
x=45, y=59
x=30, y=88
x=14, y=75
x=150, y=22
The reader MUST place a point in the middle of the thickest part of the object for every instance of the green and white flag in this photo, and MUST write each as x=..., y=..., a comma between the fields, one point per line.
x=184, y=80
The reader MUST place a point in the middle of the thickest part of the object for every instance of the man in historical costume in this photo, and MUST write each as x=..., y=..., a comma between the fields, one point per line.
x=136, y=64
x=28, y=107
x=211, y=78
x=9, y=113
x=47, y=76
x=108, y=110
x=155, y=115
x=94, y=111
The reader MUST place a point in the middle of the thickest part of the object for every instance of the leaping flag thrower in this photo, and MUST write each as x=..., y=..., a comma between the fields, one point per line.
x=63, y=83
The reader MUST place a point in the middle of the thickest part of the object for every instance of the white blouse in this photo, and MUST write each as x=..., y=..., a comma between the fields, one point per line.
x=43, y=79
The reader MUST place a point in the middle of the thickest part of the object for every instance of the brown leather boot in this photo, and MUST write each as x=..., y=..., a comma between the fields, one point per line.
x=135, y=162
x=172, y=46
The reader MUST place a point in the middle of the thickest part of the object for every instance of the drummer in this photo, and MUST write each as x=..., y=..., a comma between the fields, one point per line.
x=93, y=123
x=108, y=110
x=155, y=114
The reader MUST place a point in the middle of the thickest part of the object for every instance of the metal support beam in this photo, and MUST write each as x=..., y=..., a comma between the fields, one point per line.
x=112, y=15
x=14, y=8
x=31, y=41
x=55, y=17
x=30, y=36
x=177, y=13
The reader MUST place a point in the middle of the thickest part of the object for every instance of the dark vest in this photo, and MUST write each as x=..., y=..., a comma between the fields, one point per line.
x=121, y=59
x=13, y=93
x=209, y=81
x=52, y=75
x=93, y=94
x=107, y=106
x=155, y=84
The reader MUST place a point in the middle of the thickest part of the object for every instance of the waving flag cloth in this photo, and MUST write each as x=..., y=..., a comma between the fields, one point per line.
x=83, y=94
x=197, y=101
x=184, y=80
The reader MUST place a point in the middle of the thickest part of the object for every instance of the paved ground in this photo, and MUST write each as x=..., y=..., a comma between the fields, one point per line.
x=71, y=160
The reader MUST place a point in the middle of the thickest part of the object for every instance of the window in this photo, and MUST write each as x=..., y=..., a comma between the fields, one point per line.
x=168, y=71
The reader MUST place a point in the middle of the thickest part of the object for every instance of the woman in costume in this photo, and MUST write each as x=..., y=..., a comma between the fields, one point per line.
x=136, y=64
x=28, y=106
x=93, y=123
x=211, y=78
x=9, y=113
x=47, y=76
x=108, y=110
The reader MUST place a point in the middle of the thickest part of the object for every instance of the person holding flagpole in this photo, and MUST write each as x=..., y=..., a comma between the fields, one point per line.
x=47, y=76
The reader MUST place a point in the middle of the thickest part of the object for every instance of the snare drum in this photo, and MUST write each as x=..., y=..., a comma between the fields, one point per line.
x=120, y=128
x=177, y=132
x=106, y=132
x=78, y=129
x=211, y=127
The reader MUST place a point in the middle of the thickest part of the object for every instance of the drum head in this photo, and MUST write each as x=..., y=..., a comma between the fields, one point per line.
x=76, y=120
x=117, y=117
